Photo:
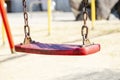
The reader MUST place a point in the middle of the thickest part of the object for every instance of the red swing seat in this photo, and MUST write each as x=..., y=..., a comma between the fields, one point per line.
x=57, y=49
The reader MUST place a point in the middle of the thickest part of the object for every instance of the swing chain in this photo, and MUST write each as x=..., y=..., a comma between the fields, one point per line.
x=84, y=30
x=27, y=38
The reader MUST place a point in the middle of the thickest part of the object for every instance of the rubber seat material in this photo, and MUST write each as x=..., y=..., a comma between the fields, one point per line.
x=57, y=49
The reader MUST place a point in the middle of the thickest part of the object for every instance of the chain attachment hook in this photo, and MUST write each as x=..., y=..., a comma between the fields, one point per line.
x=84, y=30
x=27, y=39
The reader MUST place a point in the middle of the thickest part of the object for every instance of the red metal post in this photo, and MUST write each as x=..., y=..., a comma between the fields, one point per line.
x=7, y=26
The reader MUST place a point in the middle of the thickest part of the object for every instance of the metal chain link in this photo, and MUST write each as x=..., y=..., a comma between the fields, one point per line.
x=84, y=30
x=27, y=39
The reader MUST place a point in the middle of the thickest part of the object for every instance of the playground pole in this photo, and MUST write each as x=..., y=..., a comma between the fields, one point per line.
x=7, y=26
x=93, y=14
x=3, y=34
x=3, y=31
x=49, y=16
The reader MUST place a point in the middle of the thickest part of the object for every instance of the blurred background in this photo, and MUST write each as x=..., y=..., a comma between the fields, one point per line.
x=105, y=9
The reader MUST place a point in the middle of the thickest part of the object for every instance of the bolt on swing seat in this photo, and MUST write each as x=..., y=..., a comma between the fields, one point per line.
x=29, y=46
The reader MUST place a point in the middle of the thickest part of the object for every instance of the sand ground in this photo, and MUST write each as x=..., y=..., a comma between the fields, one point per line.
x=104, y=65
